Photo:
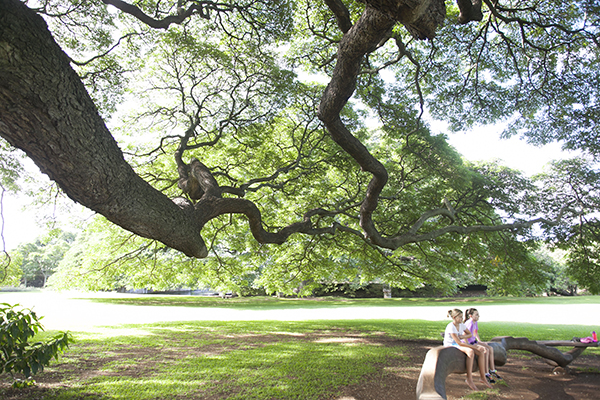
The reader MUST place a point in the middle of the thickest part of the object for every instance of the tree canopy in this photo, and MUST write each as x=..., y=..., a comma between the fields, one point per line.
x=202, y=125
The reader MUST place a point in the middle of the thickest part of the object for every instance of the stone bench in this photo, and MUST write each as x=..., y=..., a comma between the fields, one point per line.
x=442, y=361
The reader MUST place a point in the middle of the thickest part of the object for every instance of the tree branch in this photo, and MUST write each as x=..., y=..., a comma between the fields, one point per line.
x=470, y=10
x=57, y=124
x=341, y=13
x=164, y=23
x=211, y=207
x=82, y=63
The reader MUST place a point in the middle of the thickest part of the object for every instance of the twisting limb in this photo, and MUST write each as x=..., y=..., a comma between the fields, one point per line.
x=212, y=205
x=182, y=15
x=372, y=27
x=364, y=35
x=341, y=13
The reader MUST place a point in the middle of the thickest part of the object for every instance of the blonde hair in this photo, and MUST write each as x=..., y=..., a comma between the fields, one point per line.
x=453, y=313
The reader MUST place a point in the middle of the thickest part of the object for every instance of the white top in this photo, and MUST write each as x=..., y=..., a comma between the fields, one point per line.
x=448, y=340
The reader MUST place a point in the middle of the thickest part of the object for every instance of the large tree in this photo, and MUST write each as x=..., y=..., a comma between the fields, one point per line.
x=224, y=127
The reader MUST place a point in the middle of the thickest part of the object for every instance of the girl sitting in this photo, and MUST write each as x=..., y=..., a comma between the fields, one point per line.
x=471, y=319
x=455, y=332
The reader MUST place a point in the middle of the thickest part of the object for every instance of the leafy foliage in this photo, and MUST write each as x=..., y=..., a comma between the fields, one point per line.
x=11, y=167
x=529, y=63
x=220, y=84
x=17, y=354
x=39, y=260
x=572, y=188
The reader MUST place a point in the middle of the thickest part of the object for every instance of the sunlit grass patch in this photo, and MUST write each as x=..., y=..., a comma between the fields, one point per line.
x=250, y=359
x=231, y=360
x=272, y=303
x=587, y=370
x=481, y=395
x=288, y=369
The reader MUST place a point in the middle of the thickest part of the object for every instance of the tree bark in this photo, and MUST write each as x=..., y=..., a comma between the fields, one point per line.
x=46, y=111
x=379, y=17
x=420, y=17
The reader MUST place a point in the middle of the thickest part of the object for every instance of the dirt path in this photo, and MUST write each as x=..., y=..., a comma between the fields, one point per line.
x=526, y=377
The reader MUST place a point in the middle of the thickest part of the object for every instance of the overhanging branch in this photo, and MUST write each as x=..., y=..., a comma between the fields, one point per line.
x=182, y=15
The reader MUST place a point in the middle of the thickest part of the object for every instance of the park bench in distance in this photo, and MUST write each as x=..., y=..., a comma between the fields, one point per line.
x=442, y=361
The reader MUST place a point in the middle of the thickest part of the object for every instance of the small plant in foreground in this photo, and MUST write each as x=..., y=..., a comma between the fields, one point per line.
x=17, y=354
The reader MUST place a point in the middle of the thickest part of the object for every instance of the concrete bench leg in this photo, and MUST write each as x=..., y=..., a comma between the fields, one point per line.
x=443, y=361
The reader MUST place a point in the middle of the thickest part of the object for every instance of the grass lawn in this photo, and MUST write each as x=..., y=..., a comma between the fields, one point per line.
x=244, y=359
x=272, y=303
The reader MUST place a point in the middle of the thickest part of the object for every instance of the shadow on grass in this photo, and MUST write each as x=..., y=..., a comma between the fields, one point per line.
x=248, y=359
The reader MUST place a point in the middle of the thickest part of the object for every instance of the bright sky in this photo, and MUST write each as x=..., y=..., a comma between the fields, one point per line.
x=19, y=226
x=483, y=144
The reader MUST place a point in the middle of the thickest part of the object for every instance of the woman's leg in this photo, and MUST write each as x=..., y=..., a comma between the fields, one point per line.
x=470, y=359
x=483, y=354
x=490, y=349
x=493, y=363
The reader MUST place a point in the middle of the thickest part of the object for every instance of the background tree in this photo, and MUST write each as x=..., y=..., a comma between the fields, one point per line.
x=559, y=282
x=10, y=169
x=223, y=126
x=39, y=260
x=575, y=182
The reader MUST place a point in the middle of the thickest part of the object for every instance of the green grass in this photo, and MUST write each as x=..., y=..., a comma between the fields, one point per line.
x=483, y=395
x=251, y=359
x=245, y=360
x=588, y=370
x=233, y=360
x=401, y=329
x=270, y=303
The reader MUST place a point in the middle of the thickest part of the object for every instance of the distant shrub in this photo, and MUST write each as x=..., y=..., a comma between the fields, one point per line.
x=17, y=354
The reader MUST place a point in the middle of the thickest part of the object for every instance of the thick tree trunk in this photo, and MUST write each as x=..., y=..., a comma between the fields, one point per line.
x=46, y=111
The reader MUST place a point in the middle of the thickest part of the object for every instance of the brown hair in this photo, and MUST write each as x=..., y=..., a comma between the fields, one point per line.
x=453, y=313
x=469, y=313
